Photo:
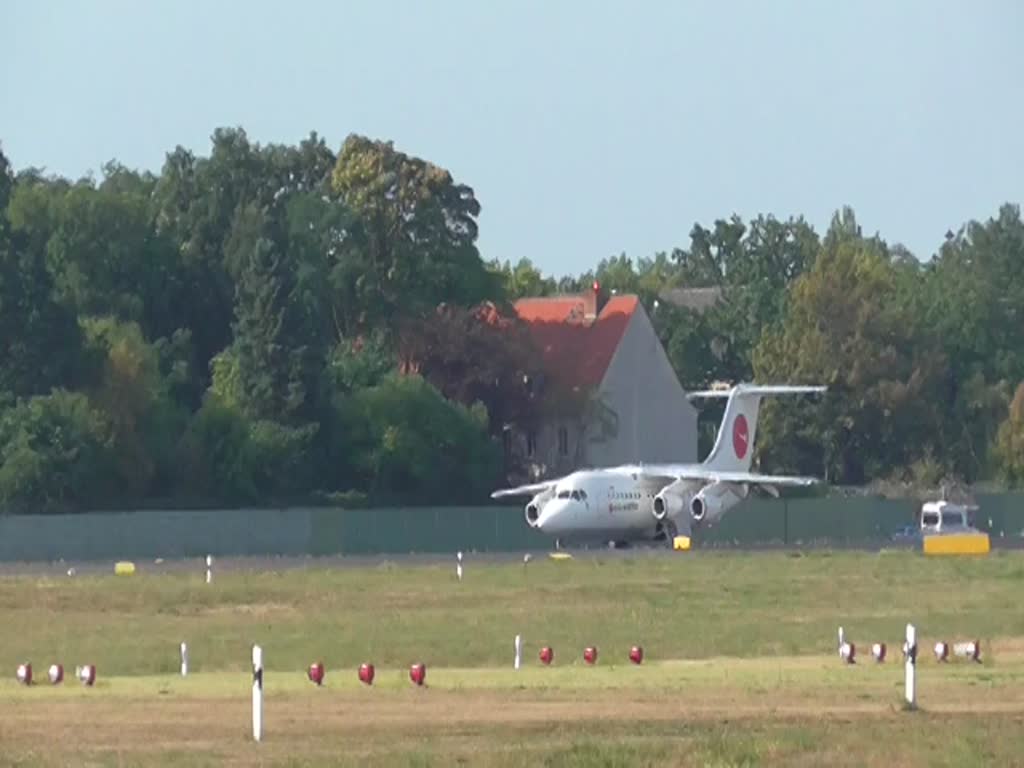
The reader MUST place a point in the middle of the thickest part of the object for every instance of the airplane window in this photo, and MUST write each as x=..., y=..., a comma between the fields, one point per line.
x=563, y=495
x=583, y=494
x=576, y=495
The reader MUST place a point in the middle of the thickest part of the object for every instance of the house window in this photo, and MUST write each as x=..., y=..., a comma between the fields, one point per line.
x=531, y=443
x=563, y=441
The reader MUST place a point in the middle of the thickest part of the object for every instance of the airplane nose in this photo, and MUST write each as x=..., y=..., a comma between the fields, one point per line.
x=555, y=517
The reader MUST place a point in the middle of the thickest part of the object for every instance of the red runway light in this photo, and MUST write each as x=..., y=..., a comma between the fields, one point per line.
x=418, y=673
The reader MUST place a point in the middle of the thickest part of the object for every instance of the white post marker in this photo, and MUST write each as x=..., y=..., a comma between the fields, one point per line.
x=184, y=660
x=519, y=650
x=846, y=650
x=209, y=566
x=458, y=567
x=257, y=693
x=968, y=650
x=910, y=654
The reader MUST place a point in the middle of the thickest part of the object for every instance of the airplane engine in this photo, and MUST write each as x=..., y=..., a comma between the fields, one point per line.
x=532, y=514
x=536, y=505
x=714, y=500
x=666, y=504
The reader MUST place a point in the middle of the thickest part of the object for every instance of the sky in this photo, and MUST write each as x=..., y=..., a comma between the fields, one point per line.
x=586, y=129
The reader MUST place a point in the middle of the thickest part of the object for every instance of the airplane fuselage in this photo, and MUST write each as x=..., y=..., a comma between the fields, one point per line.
x=610, y=504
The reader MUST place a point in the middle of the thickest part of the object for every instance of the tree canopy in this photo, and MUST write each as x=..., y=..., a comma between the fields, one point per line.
x=276, y=322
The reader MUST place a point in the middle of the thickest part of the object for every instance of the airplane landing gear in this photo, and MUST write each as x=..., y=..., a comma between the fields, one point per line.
x=671, y=531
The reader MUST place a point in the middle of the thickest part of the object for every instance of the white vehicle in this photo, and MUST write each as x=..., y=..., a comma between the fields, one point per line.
x=945, y=517
x=648, y=502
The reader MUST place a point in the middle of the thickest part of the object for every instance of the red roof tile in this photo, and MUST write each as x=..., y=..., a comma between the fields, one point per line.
x=576, y=351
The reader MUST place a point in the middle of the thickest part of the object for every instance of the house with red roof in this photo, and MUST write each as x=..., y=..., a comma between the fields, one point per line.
x=610, y=395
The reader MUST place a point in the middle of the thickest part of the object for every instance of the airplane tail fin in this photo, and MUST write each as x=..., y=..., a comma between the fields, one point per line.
x=734, y=446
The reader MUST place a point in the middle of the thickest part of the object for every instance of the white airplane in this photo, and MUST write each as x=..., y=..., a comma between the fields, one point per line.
x=647, y=502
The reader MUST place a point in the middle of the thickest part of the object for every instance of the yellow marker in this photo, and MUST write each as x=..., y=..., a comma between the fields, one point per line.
x=957, y=544
x=681, y=543
x=124, y=568
x=560, y=556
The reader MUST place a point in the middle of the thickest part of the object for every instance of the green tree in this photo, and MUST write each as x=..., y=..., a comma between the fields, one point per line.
x=973, y=296
x=712, y=254
x=412, y=244
x=847, y=327
x=413, y=446
x=55, y=454
x=686, y=336
x=1009, y=447
x=106, y=257
x=522, y=280
x=282, y=459
x=40, y=341
x=274, y=367
x=217, y=458
x=358, y=364
x=6, y=188
x=654, y=275
x=754, y=268
x=133, y=395
x=317, y=228
x=750, y=269
x=197, y=201
x=617, y=274
x=296, y=170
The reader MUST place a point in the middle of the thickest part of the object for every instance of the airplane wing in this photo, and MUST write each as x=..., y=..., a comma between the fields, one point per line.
x=656, y=472
x=524, y=490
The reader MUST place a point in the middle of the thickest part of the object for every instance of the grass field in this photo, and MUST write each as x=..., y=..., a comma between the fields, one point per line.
x=740, y=664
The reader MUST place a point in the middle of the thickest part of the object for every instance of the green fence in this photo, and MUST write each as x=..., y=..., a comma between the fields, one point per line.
x=846, y=521
x=321, y=531
x=810, y=521
x=280, y=532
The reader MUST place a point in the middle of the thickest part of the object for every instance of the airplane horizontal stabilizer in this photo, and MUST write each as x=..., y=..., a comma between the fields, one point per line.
x=759, y=389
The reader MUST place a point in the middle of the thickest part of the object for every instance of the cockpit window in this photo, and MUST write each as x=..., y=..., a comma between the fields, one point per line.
x=575, y=494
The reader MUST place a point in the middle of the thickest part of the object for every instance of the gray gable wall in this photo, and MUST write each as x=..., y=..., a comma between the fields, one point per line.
x=649, y=417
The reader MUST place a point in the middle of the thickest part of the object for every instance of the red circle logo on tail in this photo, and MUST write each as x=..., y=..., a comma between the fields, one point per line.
x=740, y=436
